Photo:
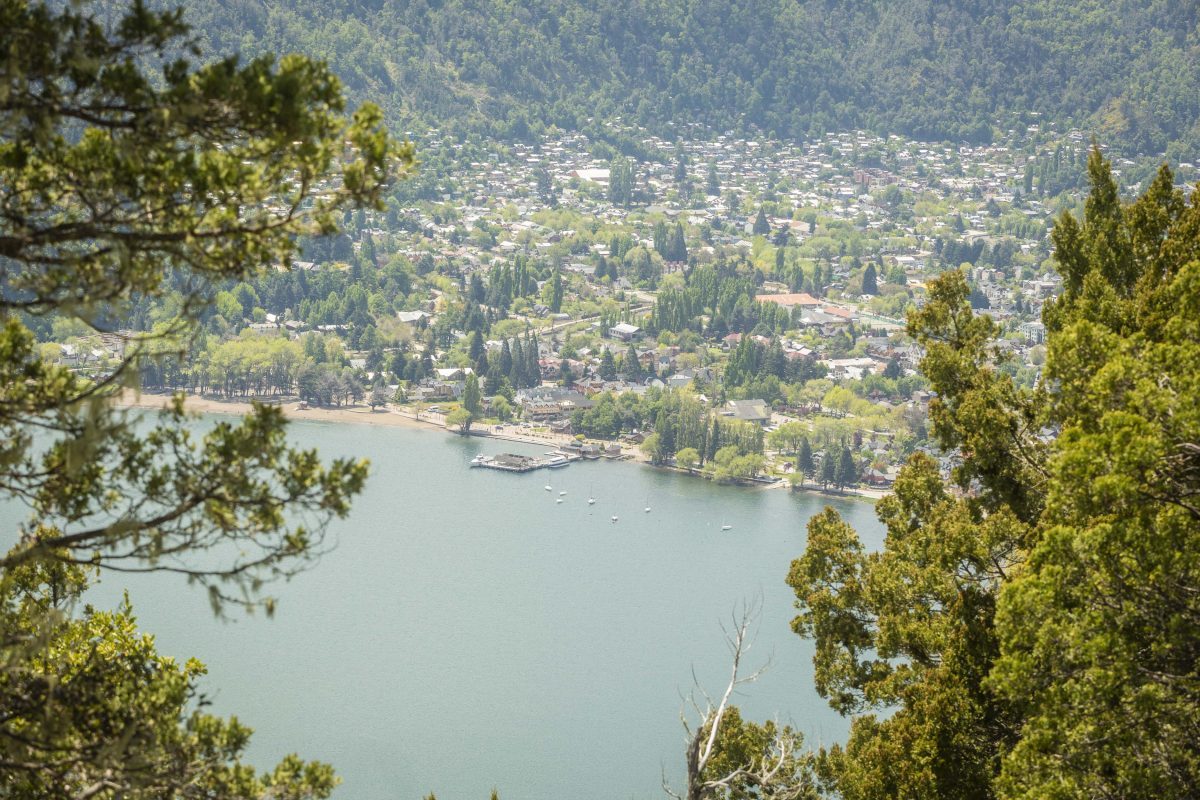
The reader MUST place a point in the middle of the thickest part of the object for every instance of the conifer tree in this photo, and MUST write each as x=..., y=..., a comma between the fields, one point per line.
x=127, y=171
x=761, y=226
x=805, y=464
x=870, y=280
x=608, y=366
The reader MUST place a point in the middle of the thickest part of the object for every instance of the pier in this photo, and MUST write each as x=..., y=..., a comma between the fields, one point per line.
x=513, y=462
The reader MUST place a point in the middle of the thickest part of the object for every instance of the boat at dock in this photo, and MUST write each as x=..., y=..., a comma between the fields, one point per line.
x=514, y=462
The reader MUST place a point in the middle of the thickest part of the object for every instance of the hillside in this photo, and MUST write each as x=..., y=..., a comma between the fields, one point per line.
x=1128, y=72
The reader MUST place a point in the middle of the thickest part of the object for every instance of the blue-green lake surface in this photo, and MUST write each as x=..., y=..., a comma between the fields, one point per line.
x=469, y=632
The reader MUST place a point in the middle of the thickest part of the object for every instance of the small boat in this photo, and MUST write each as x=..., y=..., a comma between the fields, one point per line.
x=560, y=494
x=556, y=460
x=548, y=488
x=647, y=508
x=591, y=501
x=726, y=527
x=559, y=500
x=614, y=517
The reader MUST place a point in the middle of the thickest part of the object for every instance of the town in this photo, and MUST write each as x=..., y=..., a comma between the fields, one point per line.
x=728, y=306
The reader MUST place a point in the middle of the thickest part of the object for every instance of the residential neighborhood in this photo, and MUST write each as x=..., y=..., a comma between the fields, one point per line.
x=768, y=282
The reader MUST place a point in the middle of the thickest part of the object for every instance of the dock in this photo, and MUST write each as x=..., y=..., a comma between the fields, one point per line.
x=513, y=462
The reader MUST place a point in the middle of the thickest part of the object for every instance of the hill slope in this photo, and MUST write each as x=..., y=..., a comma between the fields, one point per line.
x=945, y=69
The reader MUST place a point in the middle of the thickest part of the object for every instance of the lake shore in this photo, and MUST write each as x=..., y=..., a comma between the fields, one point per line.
x=364, y=415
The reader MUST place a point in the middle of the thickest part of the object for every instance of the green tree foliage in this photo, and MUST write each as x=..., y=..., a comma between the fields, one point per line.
x=847, y=470
x=761, y=226
x=460, y=419
x=687, y=458
x=870, y=281
x=471, y=398
x=936, y=70
x=556, y=290
x=126, y=173
x=805, y=464
x=620, y=182
x=608, y=366
x=1037, y=635
x=90, y=705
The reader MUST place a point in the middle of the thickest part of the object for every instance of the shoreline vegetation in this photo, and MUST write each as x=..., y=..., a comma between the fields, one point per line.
x=360, y=414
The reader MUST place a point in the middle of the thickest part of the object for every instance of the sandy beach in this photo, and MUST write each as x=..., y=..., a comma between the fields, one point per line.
x=358, y=415
x=364, y=415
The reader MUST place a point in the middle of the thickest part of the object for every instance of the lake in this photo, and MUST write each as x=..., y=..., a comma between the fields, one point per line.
x=468, y=632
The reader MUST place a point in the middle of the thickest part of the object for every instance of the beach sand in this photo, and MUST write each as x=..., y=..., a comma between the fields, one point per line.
x=363, y=415
x=356, y=415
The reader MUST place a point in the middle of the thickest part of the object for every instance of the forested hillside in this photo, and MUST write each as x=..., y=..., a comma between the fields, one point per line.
x=938, y=69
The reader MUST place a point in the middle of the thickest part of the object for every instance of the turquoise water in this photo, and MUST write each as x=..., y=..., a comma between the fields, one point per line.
x=469, y=632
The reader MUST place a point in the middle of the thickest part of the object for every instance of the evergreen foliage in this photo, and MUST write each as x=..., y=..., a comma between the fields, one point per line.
x=127, y=174
x=929, y=69
x=1036, y=633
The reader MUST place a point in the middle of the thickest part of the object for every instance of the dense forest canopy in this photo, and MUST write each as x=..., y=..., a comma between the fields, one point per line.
x=1124, y=71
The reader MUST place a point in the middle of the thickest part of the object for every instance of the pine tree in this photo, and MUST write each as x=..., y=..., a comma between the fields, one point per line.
x=475, y=348
x=631, y=366
x=828, y=469
x=676, y=245
x=712, y=184
x=761, y=226
x=805, y=464
x=847, y=471
x=608, y=367
x=870, y=284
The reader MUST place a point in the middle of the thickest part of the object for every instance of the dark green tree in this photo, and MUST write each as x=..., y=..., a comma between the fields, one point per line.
x=125, y=172
x=608, y=366
x=805, y=464
x=761, y=226
x=712, y=184
x=870, y=282
x=676, y=249
x=828, y=469
x=847, y=470
x=631, y=367
x=556, y=292
x=1036, y=634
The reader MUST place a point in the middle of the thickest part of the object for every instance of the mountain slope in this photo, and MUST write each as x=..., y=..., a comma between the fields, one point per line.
x=1129, y=72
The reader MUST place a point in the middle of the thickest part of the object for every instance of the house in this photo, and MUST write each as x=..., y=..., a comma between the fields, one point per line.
x=625, y=332
x=411, y=317
x=757, y=411
x=68, y=355
x=1034, y=332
